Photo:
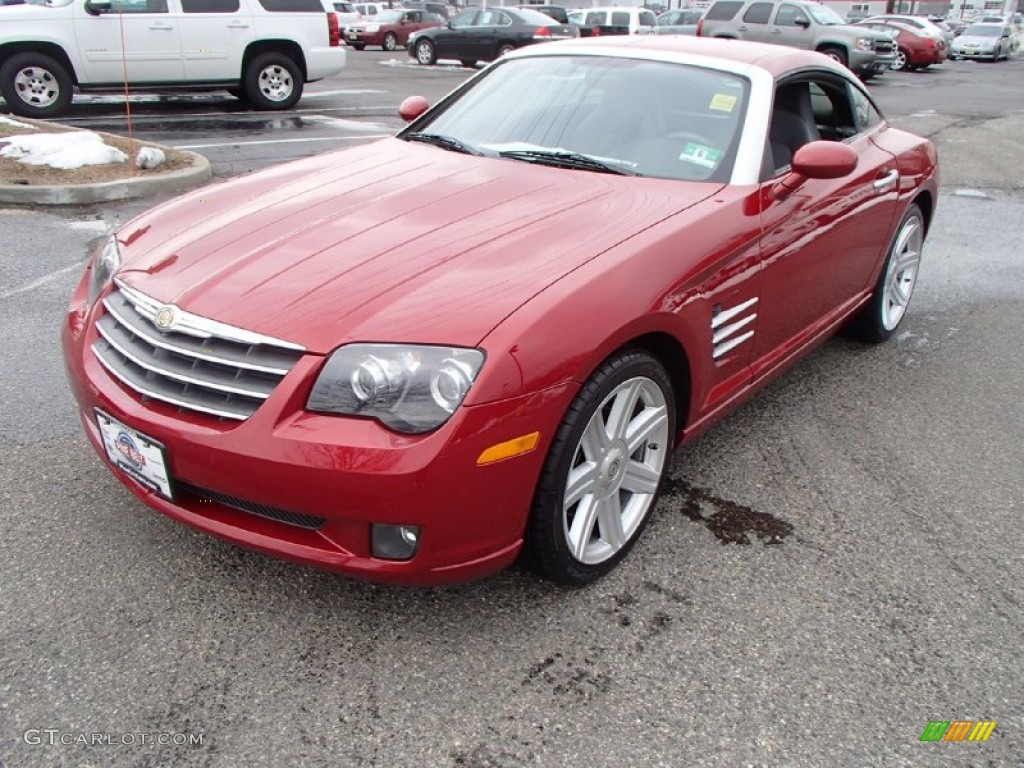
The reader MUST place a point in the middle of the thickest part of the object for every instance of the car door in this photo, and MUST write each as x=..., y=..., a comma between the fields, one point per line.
x=491, y=30
x=821, y=245
x=214, y=33
x=791, y=27
x=754, y=23
x=151, y=48
x=454, y=41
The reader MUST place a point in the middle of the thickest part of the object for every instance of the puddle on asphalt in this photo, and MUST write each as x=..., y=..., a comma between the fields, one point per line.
x=731, y=523
x=206, y=125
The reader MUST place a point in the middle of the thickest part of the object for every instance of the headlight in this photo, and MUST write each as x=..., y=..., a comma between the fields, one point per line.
x=104, y=264
x=865, y=44
x=410, y=389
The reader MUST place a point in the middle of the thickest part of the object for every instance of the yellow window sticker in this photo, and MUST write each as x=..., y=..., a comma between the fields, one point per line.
x=723, y=102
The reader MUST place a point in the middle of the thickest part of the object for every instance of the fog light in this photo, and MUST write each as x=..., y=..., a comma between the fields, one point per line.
x=394, y=542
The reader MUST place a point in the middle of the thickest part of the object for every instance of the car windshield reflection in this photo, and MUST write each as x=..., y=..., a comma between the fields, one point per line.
x=627, y=116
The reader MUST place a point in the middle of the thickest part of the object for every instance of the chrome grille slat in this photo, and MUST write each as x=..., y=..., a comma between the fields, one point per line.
x=189, y=366
x=162, y=362
x=227, y=352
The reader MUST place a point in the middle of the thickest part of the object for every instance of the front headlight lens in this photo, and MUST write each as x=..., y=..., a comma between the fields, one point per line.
x=408, y=388
x=106, y=262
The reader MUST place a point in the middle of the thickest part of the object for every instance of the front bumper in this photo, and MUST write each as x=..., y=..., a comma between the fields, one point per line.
x=870, y=62
x=348, y=472
x=974, y=54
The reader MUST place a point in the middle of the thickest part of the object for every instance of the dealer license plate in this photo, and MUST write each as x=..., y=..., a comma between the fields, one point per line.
x=141, y=458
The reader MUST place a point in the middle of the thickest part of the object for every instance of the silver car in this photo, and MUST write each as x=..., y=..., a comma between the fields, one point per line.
x=984, y=41
x=678, y=22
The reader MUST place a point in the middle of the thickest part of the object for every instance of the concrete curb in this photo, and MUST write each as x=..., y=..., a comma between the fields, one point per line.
x=110, y=191
x=170, y=183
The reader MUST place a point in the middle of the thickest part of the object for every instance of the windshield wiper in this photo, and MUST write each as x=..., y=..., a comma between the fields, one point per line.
x=563, y=159
x=445, y=142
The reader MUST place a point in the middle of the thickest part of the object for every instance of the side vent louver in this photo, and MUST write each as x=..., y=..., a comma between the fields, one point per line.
x=727, y=327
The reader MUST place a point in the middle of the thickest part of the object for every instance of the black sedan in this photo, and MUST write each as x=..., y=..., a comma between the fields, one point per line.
x=484, y=34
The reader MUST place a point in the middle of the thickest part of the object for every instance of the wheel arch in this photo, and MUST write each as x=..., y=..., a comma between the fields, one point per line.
x=826, y=44
x=53, y=50
x=289, y=48
x=926, y=203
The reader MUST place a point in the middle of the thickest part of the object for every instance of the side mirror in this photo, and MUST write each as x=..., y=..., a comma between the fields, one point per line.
x=816, y=160
x=413, y=107
x=802, y=23
x=97, y=7
x=449, y=25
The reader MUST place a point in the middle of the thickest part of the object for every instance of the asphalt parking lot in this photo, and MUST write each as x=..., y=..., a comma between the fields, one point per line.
x=833, y=567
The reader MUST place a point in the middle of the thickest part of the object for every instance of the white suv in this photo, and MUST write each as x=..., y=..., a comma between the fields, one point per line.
x=262, y=50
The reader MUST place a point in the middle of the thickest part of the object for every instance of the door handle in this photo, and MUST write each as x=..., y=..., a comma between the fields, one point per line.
x=888, y=180
x=237, y=25
x=161, y=26
x=776, y=31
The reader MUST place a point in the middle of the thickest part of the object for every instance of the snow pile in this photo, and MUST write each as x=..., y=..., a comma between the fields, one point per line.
x=150, y=157
x=64, y=151
x=13, y=123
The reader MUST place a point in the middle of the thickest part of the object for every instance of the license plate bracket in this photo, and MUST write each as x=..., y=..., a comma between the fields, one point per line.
x=137, y=455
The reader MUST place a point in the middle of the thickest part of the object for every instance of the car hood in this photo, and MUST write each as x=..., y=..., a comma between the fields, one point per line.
x=390, y=241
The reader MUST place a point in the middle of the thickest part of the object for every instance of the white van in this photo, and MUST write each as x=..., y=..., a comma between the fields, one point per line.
x=639, y=21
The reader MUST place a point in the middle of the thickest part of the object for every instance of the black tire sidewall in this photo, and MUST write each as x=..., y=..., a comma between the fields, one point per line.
x=547, y=551
x=390, y=36
x=252, y=85
x=836, y=54
x=18, y=62
x=869, y=325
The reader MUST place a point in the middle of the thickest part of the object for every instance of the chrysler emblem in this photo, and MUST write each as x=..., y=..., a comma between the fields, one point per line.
x=164, y=318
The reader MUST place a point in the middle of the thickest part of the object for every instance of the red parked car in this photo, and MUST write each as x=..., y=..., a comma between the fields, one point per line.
x=389, y=29
x=415, y=359
x=914, y=48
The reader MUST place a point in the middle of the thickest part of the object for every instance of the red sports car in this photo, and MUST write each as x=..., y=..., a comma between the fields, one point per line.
x=413, y=360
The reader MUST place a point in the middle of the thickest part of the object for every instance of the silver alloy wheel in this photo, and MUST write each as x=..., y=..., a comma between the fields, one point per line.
x=275, y=83
x=37, y=86
x=390, y=42
x=900, y=62
x=901, y=273
x=424, y=53
x=615, y=470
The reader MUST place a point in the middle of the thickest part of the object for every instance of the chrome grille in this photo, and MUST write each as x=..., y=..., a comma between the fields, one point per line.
x=883, y=46
x=193, y=362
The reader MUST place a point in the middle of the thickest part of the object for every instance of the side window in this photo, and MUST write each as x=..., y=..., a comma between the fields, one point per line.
x=620, y=19
x=758, y=13
x=723, y=10
x=790, y=16
x=138, y=6
x=595, y=18
x=864, y=111
x=464, y=20
x=292, y=6
x=647, y=19
x=210, y=6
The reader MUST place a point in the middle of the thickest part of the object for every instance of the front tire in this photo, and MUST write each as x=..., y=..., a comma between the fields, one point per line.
x=881, y=316
x=836, y=54
x=273, y=81
x=603, y=472
x=35, y=85
x=390, y=42
x=425, y=53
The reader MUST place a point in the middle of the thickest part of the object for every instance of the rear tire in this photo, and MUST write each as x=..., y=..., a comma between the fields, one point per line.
x=603, y=472
x=358, y=46
x=273, y=81
x=902, y=60
x=469, y=63
x=505, y=50
x=35, y=85
x=878, y=320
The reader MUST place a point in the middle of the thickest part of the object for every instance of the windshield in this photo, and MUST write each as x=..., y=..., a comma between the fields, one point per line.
x=638, y=117
x=980, y=31
x=387, y=17
x=824, y=15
